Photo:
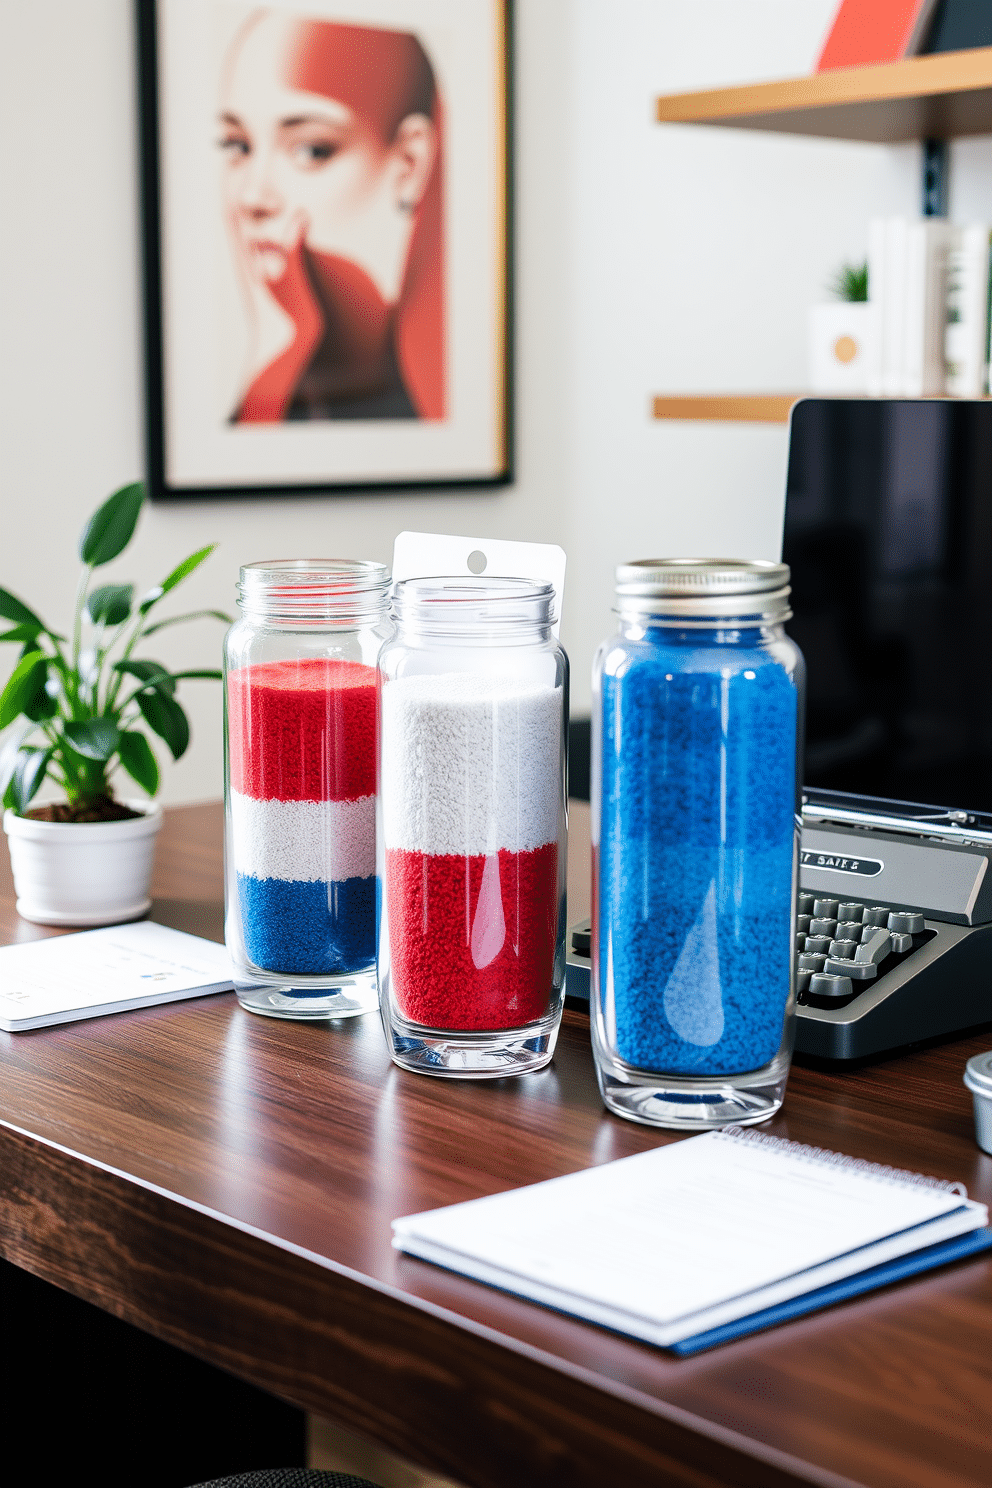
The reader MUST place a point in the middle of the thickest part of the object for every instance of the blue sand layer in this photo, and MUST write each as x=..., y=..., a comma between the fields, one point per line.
x=311, y=928
x=696, y=854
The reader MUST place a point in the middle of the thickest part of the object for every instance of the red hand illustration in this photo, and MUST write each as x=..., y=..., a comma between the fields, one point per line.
x=269, y=394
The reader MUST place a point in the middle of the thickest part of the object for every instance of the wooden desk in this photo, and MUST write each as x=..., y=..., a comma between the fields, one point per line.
x=227, y=1183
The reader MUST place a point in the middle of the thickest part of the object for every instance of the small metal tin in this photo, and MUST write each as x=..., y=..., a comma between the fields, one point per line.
x=978, y=1078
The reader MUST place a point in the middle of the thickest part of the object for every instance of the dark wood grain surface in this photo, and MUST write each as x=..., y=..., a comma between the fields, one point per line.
x=227, y=1182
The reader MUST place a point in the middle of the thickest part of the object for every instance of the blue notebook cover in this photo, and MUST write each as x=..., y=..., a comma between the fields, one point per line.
x=957, y=1249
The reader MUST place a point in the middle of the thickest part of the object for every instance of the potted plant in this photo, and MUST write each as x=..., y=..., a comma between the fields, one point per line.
x=843, y=336
x=76, y=710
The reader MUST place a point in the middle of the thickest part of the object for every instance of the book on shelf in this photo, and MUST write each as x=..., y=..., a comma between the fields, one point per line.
x=908, y=283
x=867, y=31
x=927, y=243
x=966, y=334
x=887, y=264
x=959, y=26
x=687, y=1245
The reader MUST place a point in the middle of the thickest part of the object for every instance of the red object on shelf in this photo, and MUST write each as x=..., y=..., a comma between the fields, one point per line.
x=866, y=31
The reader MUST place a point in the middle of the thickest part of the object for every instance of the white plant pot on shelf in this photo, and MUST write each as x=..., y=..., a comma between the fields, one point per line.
x=844, y=350
x=83, y=873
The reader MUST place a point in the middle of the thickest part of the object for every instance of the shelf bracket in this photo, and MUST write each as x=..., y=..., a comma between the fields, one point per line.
x=936, y=170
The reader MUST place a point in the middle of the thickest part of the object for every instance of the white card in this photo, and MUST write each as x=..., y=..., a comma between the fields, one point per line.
x=430, y=555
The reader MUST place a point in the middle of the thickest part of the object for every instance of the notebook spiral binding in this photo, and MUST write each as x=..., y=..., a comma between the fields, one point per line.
x=823, y=1157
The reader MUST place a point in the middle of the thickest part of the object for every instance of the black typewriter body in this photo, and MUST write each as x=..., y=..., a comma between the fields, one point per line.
x=888, y=535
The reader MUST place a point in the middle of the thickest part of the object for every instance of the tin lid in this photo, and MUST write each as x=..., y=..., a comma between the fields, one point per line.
x=978, y=1074
x=704, y=586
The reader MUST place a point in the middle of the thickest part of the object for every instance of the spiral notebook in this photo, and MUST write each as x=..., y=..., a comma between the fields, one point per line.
x=690, y=1244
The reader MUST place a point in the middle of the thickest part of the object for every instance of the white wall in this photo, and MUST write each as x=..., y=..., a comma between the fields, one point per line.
x=649, y=259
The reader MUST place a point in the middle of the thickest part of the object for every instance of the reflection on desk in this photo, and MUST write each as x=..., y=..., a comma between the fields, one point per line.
x=228, y=1183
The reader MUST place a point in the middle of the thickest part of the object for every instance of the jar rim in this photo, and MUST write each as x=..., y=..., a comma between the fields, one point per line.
x=353, y=575
x=301, y=590
x=466, y=602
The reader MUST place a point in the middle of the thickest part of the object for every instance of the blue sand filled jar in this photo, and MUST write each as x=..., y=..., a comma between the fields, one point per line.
x=697, y=735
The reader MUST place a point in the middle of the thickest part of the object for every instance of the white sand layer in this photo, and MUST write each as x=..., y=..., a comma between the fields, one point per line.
x=470, y=764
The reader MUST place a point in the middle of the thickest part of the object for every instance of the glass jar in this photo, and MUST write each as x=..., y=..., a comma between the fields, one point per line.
x=472, y=827
x=696, y=781
x=299, y=787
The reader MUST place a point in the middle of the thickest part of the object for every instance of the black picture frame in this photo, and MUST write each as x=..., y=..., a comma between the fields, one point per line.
x=163, y=480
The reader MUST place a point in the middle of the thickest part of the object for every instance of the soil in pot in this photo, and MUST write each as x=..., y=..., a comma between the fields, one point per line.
x=102, y=809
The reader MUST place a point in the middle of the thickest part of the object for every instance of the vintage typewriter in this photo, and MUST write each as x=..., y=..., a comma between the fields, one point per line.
x=888, y=533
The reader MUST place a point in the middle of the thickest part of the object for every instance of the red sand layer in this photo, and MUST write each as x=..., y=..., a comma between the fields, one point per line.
x=302, y=730
x=438, y=938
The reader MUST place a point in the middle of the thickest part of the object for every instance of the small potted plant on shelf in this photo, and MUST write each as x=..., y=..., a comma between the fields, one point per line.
x=843, y=336
x=75, y=711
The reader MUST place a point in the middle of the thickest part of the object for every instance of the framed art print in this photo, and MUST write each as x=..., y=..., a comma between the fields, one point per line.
x=325, y=195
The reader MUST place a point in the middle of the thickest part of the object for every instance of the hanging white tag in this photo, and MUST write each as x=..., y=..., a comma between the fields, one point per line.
x=432, y=555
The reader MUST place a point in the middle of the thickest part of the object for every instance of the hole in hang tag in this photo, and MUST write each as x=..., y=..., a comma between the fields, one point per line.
x=693, y=999
x=477, y=562
x=489, y=924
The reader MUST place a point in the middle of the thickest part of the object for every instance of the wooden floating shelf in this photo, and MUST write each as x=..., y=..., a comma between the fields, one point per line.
x=937, y=97
x=753, y=408
x=766, y=408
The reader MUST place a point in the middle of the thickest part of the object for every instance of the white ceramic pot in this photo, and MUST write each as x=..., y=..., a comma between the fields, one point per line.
x=83, y=873
x=843, y=347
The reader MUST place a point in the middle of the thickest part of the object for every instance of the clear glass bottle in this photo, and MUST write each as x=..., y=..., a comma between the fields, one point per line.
x=472, y=827
x=300, y=782
x=696, y=780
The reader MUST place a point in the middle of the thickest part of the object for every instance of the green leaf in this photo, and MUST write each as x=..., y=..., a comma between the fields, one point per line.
x=167, y=719
x=44, y=704
x=94, y=738
x=12, y=609
x=30, y=771
x=209, y=675
x=152, y=673
x=111, y=527
x=184, y=569
x=193, y=615
x=138, y=760
x=20, y=633
x=110, y=604
x=180, y=572
x=25, y=680
x=9, y=751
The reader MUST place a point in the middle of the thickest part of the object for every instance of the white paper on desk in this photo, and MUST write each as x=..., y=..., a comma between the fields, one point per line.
x=95, y=972
x=686, y=1237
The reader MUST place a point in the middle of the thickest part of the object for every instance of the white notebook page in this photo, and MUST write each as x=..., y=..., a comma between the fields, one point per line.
x=677, y=1230
x=42, y=979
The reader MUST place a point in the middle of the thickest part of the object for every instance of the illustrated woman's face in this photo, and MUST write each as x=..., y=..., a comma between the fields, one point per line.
x=299, y=166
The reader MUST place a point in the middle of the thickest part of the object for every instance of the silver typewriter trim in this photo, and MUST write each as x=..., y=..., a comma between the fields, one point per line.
x=942, y=827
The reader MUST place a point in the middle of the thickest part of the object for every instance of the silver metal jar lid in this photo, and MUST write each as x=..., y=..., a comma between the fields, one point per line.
x=978, y=1074
x=704, y=586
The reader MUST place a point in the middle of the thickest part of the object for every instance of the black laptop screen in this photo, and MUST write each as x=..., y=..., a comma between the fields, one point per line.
x=888, y=532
